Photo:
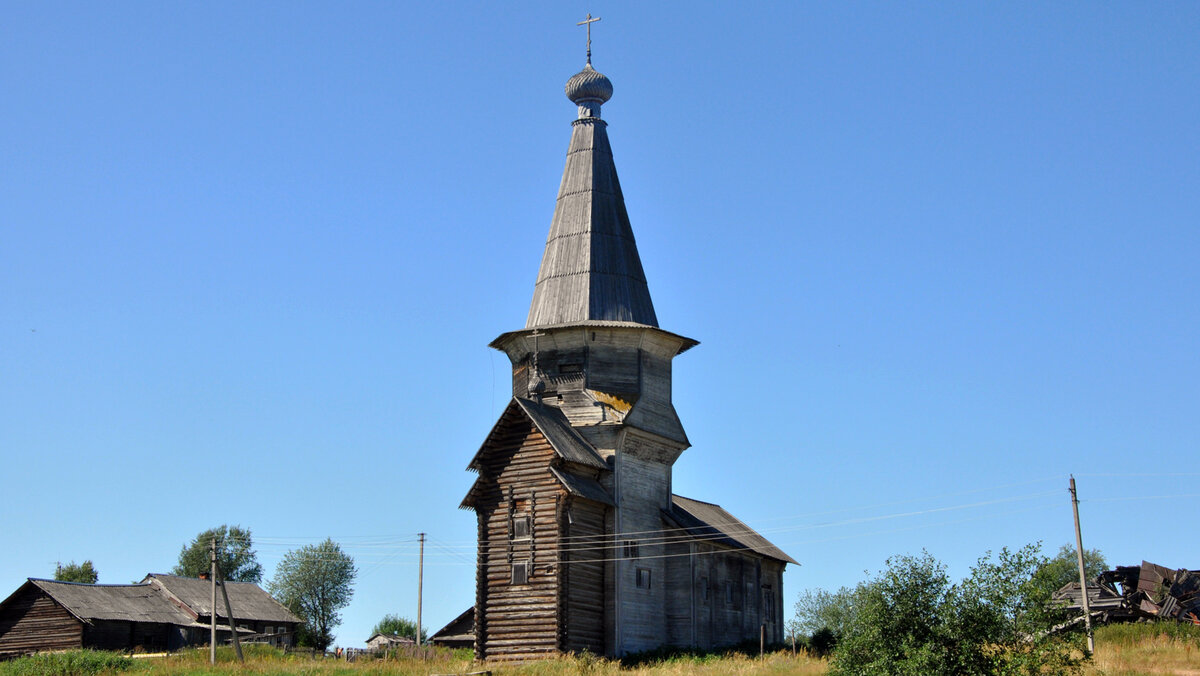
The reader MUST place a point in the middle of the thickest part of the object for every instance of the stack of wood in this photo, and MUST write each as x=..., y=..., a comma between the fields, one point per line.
x=1131, y=593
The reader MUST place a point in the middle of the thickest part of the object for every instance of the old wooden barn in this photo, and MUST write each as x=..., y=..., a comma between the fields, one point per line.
x=582, y=544
x=163, y=612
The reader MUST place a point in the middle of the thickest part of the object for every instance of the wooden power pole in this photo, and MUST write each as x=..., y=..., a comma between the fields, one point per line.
x=1087, y=611
x=212, y=578
x=420, y=584
x=237, y=642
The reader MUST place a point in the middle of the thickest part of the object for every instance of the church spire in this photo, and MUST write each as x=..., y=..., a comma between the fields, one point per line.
x=591, y=269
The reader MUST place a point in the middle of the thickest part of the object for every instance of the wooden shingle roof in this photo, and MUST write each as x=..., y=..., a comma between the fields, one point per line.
x=248, y=600
x=707, y=521
x=590, y=269
x=127, y=602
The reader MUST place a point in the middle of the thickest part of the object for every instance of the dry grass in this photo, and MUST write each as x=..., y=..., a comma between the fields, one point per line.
x=1121, y=650
x=1129, y=649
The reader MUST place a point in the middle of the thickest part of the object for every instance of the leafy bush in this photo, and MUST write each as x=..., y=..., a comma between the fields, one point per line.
x=912, y=620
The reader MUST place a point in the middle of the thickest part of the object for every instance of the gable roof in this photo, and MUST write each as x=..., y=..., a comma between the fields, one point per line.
x=128, y=602
x=550, y=421
x=460, y=628
x=707, y=521
x=248, y=600
x=590, y=269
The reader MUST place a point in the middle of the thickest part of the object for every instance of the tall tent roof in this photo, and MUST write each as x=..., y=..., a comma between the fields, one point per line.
x=590, y=269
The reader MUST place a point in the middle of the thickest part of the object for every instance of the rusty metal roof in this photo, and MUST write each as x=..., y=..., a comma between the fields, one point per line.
x=710, y=522
x=128, y=602
x=590, y=269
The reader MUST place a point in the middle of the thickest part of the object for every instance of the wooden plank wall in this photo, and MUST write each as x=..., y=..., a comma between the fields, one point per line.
x=34, y=622
x=518, y=621
x=643, y=487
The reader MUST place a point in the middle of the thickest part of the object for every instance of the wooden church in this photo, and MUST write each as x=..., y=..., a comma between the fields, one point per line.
x=582, y=544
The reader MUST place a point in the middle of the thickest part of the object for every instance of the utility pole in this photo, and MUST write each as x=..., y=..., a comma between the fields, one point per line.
x=212, y=577
x=1087, y=611
x=420, y=584
x=237, y=642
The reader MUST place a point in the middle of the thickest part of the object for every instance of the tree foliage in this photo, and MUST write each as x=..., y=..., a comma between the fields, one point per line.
x=77, y=572
x=394, y=625
x=235, y=555
x=1064, y=567
x=911, y=619
x=818, y=609
x=315, y=582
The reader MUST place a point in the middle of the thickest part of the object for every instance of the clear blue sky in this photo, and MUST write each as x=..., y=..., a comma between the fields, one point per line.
x=938, y=256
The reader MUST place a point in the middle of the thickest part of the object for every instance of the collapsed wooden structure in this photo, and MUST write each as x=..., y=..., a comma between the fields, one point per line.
x=1132, y=593
x=582, y=543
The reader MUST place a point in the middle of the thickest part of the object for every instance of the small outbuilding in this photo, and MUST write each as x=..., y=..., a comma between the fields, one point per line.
x=380, y=642
x=459, y=633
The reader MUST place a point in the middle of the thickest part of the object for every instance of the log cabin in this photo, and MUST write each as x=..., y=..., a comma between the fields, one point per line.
x=582, y=545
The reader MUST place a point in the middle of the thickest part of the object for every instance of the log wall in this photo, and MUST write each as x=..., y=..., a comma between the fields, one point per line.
x=31, y=621
x=518, y=621
x=583, y=577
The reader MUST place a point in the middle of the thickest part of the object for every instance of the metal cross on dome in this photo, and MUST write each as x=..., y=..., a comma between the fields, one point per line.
x=588, y=22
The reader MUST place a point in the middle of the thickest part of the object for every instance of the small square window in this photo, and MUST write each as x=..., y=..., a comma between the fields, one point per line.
x=643, y=578
x=520, y=526
x=631, y=549
x=520, y=572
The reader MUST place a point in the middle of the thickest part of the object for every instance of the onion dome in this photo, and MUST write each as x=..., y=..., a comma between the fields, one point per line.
x=589, y=86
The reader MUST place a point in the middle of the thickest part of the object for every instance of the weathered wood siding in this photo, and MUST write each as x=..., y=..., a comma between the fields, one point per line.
x=643, y=488
x=518, y=621
x=583, y=577
x=32, y=622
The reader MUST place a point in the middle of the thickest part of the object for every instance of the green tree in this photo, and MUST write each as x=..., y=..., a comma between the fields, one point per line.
x=911, y=619
x=394, y=625
x=818, y=609
x=235, y=555
x=315, y=582
x=1064, y=567
x=77, y=572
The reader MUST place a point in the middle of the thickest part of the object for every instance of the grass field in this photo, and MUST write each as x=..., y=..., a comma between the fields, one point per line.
x=1121, y=650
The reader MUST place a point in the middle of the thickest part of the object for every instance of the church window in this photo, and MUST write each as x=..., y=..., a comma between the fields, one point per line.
x=643, y=578
x=631, y=549
x=520, y=526
x=704, y=588
x=520, y=572
x=768, y=603
x=728, y=592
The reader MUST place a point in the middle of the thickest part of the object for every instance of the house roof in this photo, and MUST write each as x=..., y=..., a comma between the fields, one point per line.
x=461, y=628
x=553, y=425
x=590, y=269
x=707, y=521
x=129, y=602
x=248, y=600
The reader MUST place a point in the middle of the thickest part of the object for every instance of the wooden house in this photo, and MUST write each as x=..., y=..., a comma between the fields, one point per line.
x=582, y=543
x=255, y=611
x=46, y=615
x=381, y=642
